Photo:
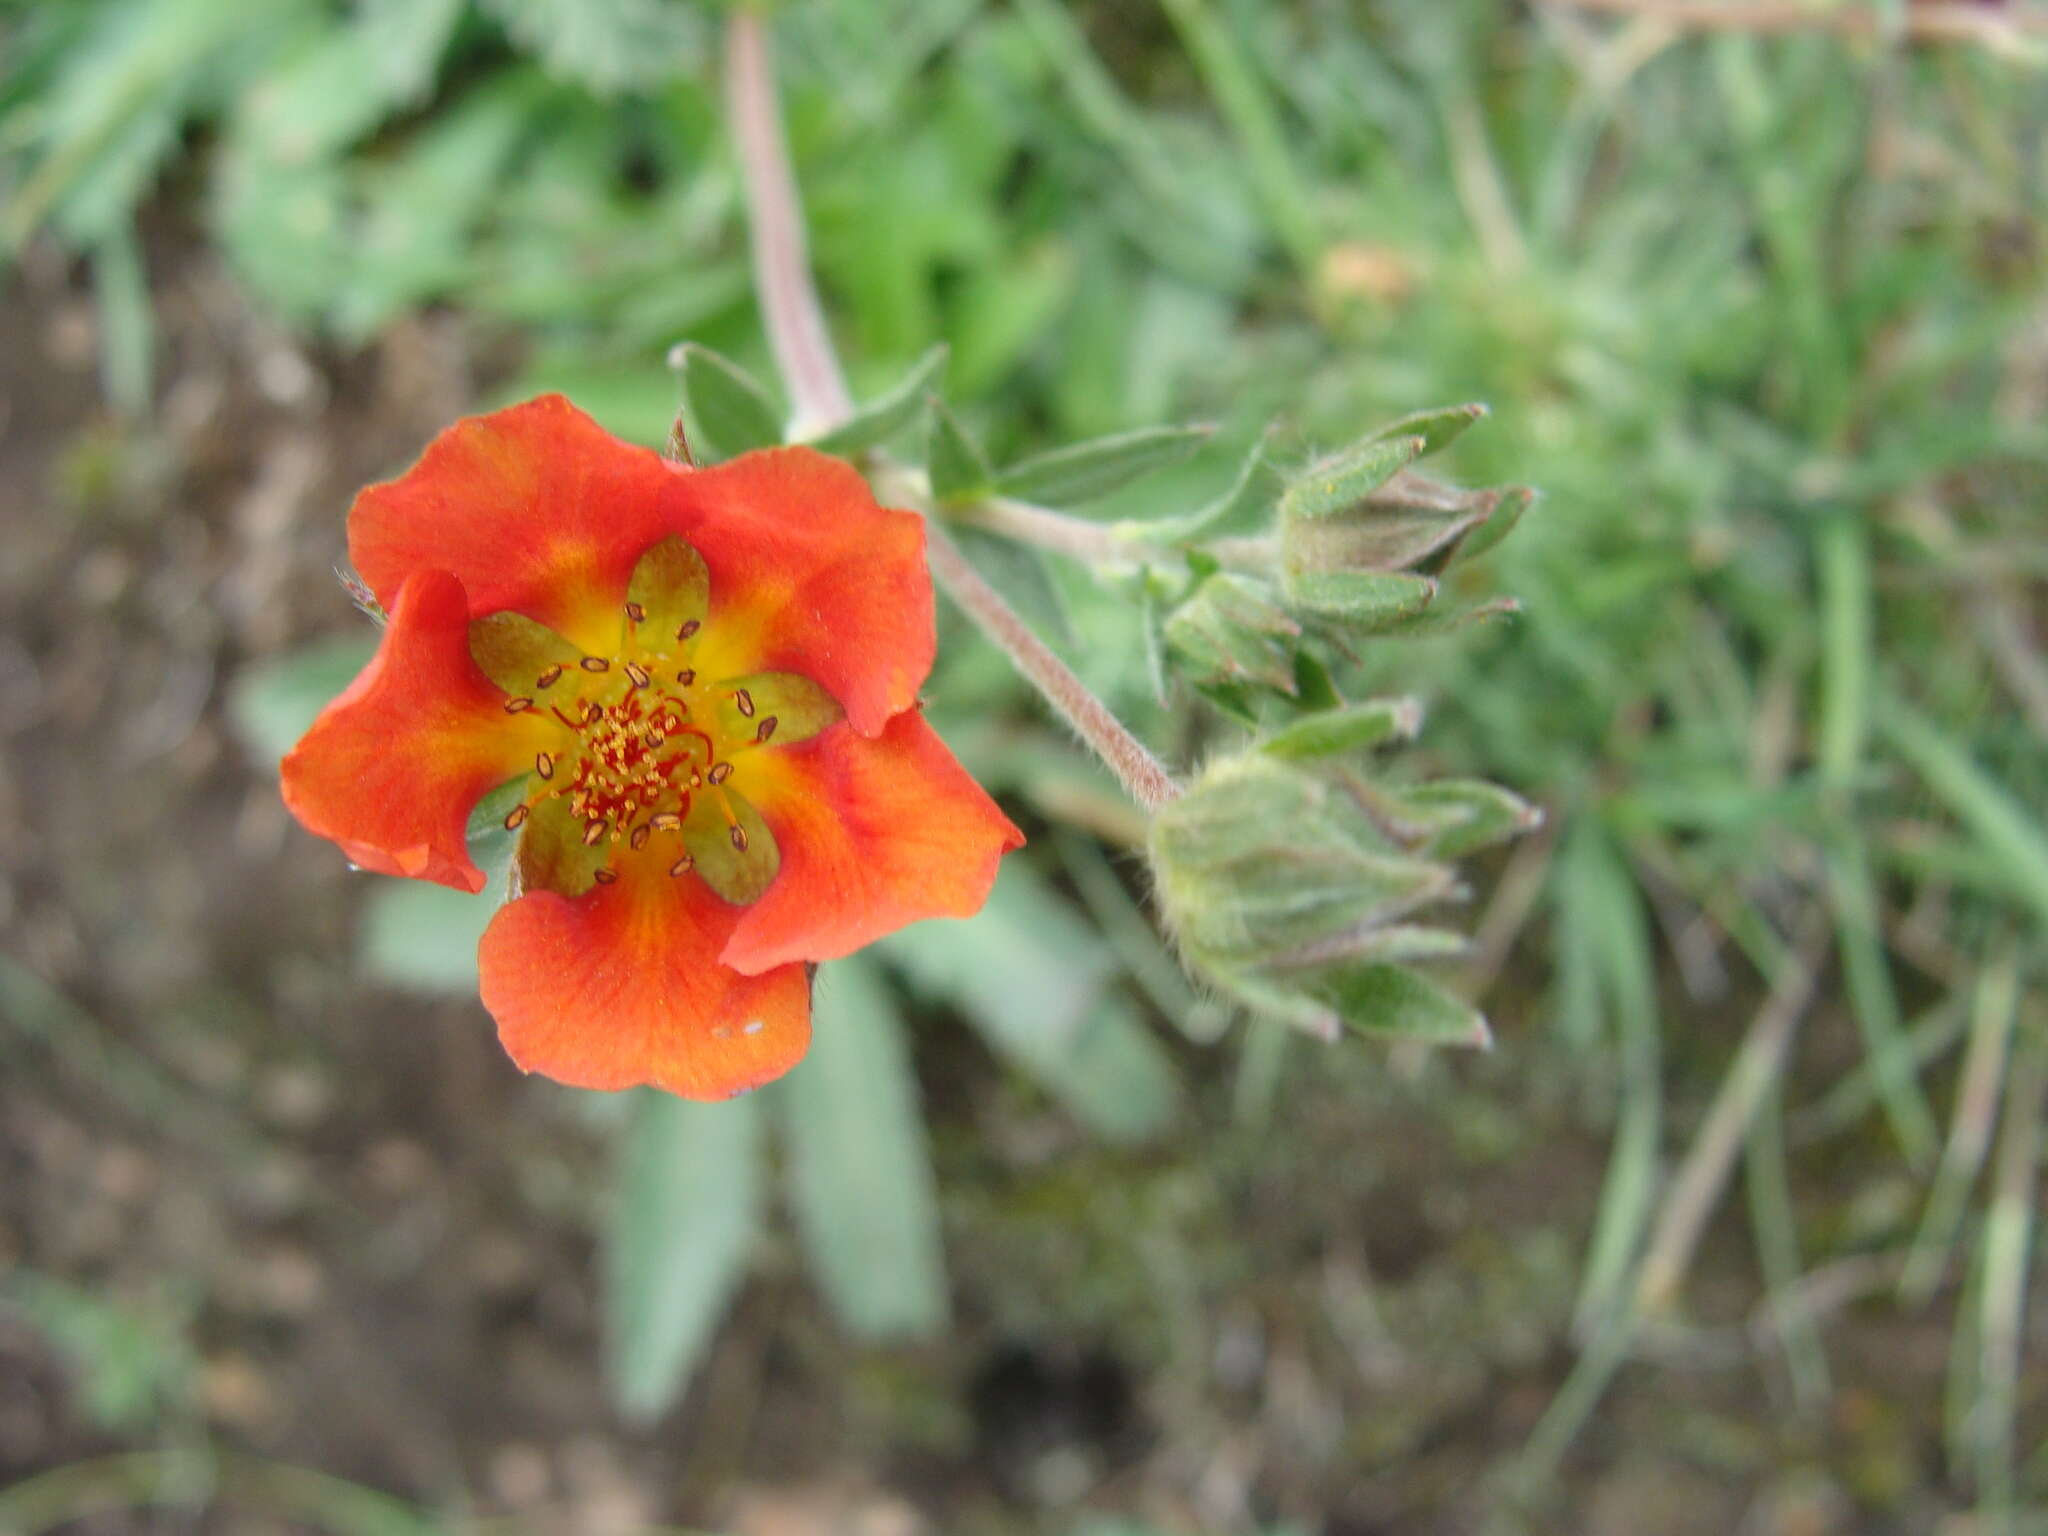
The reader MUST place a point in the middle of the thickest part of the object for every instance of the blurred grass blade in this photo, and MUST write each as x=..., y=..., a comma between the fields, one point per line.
x=1776, y=1228
x=887, y=414
x=1874, y=1001
x=1226, y=68
x=1602, y=901
x=681, y=1231
x=727, y=413
x=860, y=1171
x=1993, y=1008
x=1843, y=556
x=2002, y=1299
x=1085, y=472
x=127, y=325
x=2002, y=825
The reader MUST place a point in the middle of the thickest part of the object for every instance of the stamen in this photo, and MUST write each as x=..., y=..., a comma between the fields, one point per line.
x=549, y=678
x=635, y=612
x=518, y=706
x=640, y=836
x=689, y=628
x=687, y=676
x=666, y=821
x=556, y=710
x=739, y=838
x=766, y=730
x=682, y=866
x=638, y=674
x=596, y=664
x=719, y=773
x=544, y=765
x=517, y=817
x=603, y=876
x=745, y=702
x=594, y=834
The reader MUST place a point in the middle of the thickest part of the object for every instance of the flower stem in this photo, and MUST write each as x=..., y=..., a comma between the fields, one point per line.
x=809, y=366
x=782, y=264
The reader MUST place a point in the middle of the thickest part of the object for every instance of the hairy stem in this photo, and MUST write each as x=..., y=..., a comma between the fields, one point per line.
x=817, y=385
x=782, y=264
x=1024, y=522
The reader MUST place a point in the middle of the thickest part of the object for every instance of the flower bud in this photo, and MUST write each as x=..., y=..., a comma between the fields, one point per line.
x=1231, y=631
x=1292, y=880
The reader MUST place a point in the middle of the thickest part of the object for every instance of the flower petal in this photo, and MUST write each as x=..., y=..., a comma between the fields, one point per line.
x=874, y=834
x=808, y=575
x=622, y=985
x=535, y=507
x=392, y=767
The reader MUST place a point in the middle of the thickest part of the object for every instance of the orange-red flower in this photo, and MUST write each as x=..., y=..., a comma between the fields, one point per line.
x=704, y=683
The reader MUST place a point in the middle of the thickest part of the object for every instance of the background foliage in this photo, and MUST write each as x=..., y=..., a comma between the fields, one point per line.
x=1763, y=320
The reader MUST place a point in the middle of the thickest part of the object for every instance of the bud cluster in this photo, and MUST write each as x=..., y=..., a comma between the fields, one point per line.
x=1294, y=879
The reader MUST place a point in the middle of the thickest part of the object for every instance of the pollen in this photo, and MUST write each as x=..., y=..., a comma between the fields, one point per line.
x=636, y=749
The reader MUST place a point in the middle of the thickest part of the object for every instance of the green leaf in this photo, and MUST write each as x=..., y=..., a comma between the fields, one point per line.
x=1468, y=814
x=1389, y=1002
x=681, y=1230
x=859, y=1167
x=1060, y=1028
x=1437, y=428
x=1084, y=472
x=1362, y=600
x=1230, y=632
x=606, y=45
x=725, y=412
x=1021, y=574
x=1500, y=520
x=1248, y=505
x=275, y=702
x=958, y=468
x=1342, y=481
x=886, y=415
x=1352, y=728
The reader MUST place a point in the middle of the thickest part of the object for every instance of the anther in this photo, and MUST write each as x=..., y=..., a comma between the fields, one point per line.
x=640, y=835
x=719, y=772
x=682, y=866
x=635, y=612
x=594, y=834
x=689, y=628
x=739, y=838
x=687, y=676
x=665, y=821
x=517, y=818
x=767, y=729
x=518, y=706
x=745, y=702
x=543, y=765
x=549, y=678
x=638, y=674
x=603, y=876
x=596, y=664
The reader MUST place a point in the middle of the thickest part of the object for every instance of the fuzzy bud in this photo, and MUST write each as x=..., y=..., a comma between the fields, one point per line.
x=1292, y=880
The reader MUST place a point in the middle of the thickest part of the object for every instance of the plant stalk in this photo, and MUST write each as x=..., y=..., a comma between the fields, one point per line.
x=817, y=385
